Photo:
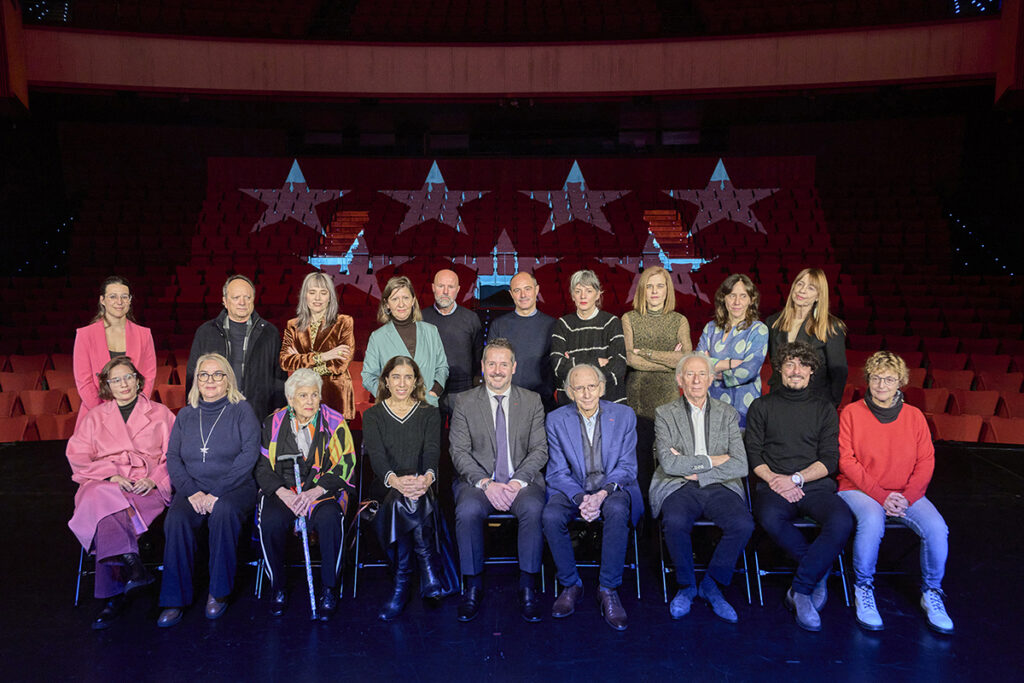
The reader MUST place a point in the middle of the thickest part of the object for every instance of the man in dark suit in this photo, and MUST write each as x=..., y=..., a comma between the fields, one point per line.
x=498, y=448
x=591, y=473
x=701, y=462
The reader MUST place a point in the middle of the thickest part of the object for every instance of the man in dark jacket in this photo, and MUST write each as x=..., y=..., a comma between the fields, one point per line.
x=251, y=344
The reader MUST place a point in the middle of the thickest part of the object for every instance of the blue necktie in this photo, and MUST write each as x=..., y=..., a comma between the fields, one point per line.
x=501, y=473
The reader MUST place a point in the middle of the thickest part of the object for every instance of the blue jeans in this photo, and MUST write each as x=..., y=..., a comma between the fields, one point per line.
x=922, y=518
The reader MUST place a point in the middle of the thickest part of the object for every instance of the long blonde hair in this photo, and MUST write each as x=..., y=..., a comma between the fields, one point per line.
x=640, y=296
x=234, y=395
x=395, y=283
x=302, y=310
x=820, y=323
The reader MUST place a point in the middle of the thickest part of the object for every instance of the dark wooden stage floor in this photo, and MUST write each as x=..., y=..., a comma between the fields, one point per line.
x=46, y=638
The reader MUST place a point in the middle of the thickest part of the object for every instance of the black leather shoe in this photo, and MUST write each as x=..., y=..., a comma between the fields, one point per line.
x=215, y=608
x=529, y=605
x=327, y=605
x=470, y=605
x=169, y=617
x=278, y=603
x=138, y=575
x=112, y=609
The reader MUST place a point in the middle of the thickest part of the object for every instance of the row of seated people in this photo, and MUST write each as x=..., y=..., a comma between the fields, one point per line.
x=213, y=463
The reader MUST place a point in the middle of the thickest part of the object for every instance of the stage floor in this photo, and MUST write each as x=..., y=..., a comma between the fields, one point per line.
x=978, y=490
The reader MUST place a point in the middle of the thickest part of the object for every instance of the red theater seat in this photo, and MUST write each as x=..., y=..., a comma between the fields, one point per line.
x=1008, y=382
x=43, y=401
x=171, y=395
x=952, y=379
x=1012, y=405
x=980, y=362
x=917, y=377
x=1004, y=430
x=29, y=364
x=19, y=381
x=947, y=361
x=62, y=362
x=9, y=404
x=966, y=428
x=927, y=400
x=56, y=427
x=14, y=428
x=982, y=403
x=74, y=400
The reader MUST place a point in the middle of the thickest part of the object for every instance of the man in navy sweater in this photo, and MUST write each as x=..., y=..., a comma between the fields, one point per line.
x=529, y=330
x=461, y=335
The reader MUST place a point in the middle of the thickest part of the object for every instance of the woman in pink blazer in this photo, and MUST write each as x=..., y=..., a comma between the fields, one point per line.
x=111, y=334
x=117, y=456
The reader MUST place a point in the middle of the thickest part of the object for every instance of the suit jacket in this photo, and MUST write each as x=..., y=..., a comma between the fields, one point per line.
x=672, y=429
x=337, y=392
x=385, y=343
x=567, y=468
x=92, y=353
x=473, y=447
x=104, y=445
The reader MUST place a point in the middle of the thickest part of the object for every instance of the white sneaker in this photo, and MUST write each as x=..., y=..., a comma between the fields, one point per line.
x=935, y=609
x=867, y=613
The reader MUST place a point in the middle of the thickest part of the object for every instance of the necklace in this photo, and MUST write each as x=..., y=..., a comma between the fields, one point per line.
x=204, y=450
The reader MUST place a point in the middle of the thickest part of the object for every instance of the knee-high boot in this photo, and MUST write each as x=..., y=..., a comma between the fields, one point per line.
x=426, y=554
x=403, y=575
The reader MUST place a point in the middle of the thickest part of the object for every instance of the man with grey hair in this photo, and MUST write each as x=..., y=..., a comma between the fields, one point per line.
x=701, y=463
x=251, y=344
x=589, y=335
x=591, y=473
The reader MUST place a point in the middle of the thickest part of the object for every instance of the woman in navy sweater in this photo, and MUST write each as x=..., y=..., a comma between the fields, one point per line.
x=212, y=451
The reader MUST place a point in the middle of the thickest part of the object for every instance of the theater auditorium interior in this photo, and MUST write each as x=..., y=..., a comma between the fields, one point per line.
x=176, y=142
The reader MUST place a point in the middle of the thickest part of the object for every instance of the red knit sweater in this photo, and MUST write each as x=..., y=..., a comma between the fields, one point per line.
x=881, y=458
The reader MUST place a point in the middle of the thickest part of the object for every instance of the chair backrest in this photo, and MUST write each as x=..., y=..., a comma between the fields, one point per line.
x=9, y=403
x=56, y=427
x=171, y=395
x=965, y=428
x=14, y=428
x=982, y=403
x=74, y=400
x=917, y=377
x=952, y=379
x=983, y=362
x=59, y=379
x=947, y=361
x=43, y=401
x=1012, y=404
x=1007, y=382
x=927, y=400
x=19, y=381
x=1004, y=430
x=34, y=363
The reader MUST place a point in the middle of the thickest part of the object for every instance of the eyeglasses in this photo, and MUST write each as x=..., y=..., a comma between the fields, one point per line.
x=118, y=297
x=123, y=379
x=887, y=381
x=590, y=388
x=212, y=376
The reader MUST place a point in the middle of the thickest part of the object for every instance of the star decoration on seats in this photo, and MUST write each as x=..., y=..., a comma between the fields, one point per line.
x=720, y=200
x=295, y=200
x=434, y=201
x=682, y=282
x=574, y=202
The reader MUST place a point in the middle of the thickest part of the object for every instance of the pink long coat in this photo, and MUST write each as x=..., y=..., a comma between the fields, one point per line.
x=104, y=445
x=91, y=354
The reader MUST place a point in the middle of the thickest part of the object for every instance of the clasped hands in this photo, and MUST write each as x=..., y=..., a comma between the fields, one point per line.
x=501, y=496
x=785, y=487
x=590, y=506
x=299, y=503
x=202, y=502
x=412, y=486
x=896, y=505
x=139, y=487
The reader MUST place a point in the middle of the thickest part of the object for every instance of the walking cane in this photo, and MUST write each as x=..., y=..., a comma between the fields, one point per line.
x=301, y=519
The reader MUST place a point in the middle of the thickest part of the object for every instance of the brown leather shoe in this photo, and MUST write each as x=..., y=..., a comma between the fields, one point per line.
x=215, y=608
x=611, y=608
x=565, y=604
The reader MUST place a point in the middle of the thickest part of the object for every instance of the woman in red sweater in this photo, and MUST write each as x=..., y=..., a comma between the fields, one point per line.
x=886, y=460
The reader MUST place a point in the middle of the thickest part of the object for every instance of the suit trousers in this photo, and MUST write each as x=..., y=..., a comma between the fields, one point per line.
x=729, y=513
x=471, y=510
x=821, y=504
x=615, y=513
x=225, y=523
x=276, y=522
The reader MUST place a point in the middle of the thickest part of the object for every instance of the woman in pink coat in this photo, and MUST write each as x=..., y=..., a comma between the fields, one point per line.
x=111, y=334
x=117, y=456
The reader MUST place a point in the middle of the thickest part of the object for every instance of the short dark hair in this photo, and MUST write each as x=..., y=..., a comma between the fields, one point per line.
x=105, y=393
x=419, y=392
x=797, y=350
x=500, y=343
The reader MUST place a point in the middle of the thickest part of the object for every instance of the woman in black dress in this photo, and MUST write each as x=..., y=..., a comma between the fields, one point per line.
x=402, y=437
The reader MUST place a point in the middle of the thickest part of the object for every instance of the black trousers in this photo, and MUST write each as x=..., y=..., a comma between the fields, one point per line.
x=180, y=526
x=820, y=502
x=615, y=512
x=722, y=506
x=471, y=510
x=276, y=522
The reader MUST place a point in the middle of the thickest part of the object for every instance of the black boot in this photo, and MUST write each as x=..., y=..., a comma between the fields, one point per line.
x=426, y=554
x=112, y=608
x=138, y=575
x=403, y=575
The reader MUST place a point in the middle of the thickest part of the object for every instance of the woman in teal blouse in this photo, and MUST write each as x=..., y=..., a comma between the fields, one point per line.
x=403, y=333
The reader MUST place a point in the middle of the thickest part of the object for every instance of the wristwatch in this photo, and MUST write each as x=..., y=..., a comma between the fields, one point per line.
x=798, y=479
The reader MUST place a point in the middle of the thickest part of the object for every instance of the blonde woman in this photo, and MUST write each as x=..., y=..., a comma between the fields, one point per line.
x=213, y=449
x=805, y=318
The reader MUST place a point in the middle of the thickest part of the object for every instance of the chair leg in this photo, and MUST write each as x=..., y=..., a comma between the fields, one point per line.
x=842, y=577
x=661, y=554
x=355, y=565
x=746, y=577
x=758, y=574
x=636, y=562
x=78, y=577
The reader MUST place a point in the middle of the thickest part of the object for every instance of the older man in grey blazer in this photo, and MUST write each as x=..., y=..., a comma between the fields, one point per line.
x=498, y=447
x=701, y=462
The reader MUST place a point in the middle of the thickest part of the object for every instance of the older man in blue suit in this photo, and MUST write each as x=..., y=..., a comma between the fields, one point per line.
x=591, y=474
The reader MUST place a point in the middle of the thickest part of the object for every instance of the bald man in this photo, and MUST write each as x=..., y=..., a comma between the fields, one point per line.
x=529, y=330
x=461, y=334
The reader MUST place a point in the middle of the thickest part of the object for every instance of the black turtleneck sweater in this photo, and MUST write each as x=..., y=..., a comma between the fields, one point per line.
x=789, y=430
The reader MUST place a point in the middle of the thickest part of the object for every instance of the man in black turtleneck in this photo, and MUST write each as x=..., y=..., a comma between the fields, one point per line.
x=793, y=447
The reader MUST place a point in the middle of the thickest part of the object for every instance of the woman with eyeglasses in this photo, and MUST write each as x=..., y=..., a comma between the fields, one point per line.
x=111, y=333
x=211, y=455
x=117, y=459
x=886, y=460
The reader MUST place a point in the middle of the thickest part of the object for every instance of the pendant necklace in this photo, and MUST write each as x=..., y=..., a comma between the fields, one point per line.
x=204, y=450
